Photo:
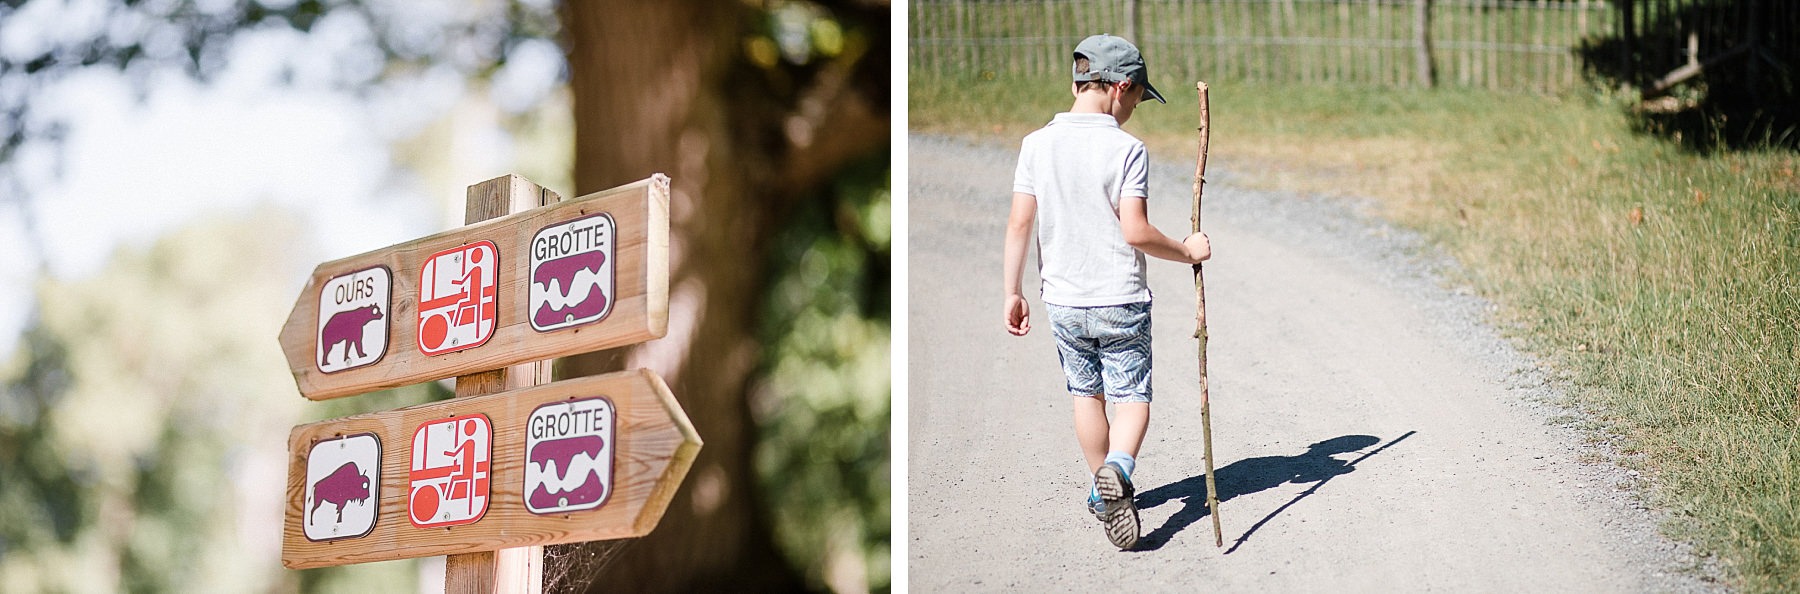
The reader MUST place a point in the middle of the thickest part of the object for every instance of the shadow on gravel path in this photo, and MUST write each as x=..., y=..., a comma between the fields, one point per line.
x=1254, y=475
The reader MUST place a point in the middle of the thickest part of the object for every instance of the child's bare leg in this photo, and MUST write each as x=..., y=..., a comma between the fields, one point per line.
x=1130, y=421
x=1091, y=429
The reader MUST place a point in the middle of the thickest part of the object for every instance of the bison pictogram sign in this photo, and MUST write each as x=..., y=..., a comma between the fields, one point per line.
x=343, y=487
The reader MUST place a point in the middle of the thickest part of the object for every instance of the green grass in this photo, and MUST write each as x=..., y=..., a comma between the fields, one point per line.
x=1664, y=285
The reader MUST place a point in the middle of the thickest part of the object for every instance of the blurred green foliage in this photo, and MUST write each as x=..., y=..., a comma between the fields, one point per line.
x=824, y=407
x=142, y=430
x=144, y=420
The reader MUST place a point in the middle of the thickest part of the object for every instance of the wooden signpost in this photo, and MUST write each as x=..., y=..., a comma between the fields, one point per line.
x=515, y=462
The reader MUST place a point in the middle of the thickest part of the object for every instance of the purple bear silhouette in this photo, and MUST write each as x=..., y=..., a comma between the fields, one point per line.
x=344, y=485
x=347, y=327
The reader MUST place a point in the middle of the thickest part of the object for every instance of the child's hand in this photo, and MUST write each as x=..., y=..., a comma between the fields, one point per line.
x=1199, y=248
x=1018, y=315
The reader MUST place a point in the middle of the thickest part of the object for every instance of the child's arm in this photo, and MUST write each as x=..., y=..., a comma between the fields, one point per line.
x=1018, y=233
x=1134, y=222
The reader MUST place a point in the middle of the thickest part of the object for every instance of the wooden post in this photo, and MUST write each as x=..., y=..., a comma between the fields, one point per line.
x=506, y=571
x=1251, y=62
x=1223, y=58
x=1541, y=62
x=1422, y=43
x=1191, y=30
x=1131, y=23
x=1628, y=43
x=1492, y=37
x=1051, y=44
x=1212, y=489
x=1379, y=57
x=1753, y=43
x=961, y=53
x=1581, y=19
x=1344, y=70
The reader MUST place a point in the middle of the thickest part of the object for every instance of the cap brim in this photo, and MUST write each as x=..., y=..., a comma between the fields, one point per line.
x=1151, y=92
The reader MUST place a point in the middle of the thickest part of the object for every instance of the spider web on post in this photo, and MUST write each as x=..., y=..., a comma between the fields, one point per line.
x=571, y=567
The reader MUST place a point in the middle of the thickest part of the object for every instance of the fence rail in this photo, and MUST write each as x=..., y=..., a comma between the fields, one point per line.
x=1493, y=44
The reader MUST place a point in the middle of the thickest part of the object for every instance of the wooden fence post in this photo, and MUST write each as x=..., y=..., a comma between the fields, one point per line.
x=1754, y=60
x=1628, y=35
x=1581, y=19
x=961, y=52
x=1049, y=50
x=1422, y=43
x=1131, y=23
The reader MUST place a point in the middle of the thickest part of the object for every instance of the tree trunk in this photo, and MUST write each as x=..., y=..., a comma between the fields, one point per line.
x=665, y=86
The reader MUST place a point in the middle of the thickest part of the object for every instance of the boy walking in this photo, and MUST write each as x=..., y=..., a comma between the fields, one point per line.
x=1083, y=181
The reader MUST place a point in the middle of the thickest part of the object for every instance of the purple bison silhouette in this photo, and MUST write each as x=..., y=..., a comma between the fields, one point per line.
x=347, y=327
x=344, y=485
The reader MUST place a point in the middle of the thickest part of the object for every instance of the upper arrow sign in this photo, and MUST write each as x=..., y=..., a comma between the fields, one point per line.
x=571, y=277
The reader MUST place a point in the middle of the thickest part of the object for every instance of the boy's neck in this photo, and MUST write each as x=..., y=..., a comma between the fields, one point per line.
x=1092, y=102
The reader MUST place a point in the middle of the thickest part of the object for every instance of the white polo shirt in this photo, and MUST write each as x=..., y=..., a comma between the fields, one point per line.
x=1079, y=166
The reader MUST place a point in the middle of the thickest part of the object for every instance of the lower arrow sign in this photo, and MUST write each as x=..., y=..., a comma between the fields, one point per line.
x=593, y=458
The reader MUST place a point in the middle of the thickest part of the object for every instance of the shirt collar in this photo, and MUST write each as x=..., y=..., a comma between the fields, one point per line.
x=1086, y=119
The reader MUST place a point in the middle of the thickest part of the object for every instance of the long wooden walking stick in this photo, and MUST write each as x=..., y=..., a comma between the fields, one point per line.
x=1212, y=488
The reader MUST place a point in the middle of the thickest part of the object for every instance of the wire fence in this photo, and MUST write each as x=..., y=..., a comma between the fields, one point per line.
x=1527, y=45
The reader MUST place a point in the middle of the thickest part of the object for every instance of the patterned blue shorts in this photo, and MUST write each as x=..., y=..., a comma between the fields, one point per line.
x=1104, y=350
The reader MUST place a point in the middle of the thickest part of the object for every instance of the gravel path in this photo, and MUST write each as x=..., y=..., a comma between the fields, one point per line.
x=1373, y=435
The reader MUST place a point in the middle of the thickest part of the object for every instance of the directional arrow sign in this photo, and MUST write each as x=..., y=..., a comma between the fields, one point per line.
x=593, y=458
x=572, y=277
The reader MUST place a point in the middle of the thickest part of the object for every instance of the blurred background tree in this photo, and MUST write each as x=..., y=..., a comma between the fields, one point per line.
x=145, y=405
x=758, y=112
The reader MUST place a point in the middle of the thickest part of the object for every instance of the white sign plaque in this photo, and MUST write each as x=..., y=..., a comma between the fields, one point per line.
x=343, y=487
x=572, y=273
x=353, y=319
x=569, y=456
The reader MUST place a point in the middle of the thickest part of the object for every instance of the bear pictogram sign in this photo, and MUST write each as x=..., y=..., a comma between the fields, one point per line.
x=353, y=319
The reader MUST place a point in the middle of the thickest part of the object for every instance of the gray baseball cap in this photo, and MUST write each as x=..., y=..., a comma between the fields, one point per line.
x=1113, y=59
